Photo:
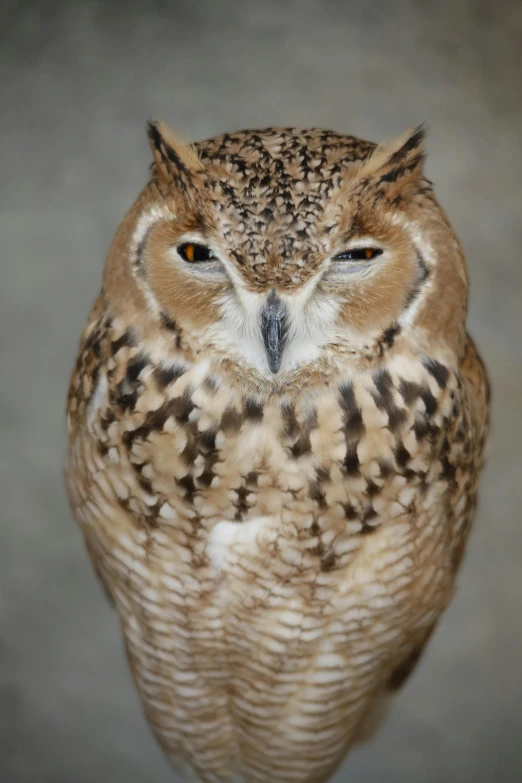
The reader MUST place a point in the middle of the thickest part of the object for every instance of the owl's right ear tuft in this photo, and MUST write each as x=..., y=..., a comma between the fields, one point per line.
x=175, y=161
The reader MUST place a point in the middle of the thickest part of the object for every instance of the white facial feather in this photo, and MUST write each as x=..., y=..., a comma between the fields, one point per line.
x=239, y=330
x=430, y=259
x=311, y=325
x=145, y=222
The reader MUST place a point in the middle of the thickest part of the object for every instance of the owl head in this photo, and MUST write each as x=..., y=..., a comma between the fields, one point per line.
x=282, y=249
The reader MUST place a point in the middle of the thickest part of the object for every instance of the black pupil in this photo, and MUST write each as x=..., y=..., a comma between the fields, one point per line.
x=360, y=254
x=192, y=252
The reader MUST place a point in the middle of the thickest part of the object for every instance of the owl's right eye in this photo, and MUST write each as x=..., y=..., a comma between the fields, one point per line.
x=193, y=253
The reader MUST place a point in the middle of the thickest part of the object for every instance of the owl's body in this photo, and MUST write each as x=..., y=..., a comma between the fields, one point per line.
x=274, y=451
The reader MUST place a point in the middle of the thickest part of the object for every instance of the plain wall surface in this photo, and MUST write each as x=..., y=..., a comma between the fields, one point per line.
x=78, y=81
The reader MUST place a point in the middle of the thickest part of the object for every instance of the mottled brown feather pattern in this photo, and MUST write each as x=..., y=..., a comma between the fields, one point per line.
x=279, y=548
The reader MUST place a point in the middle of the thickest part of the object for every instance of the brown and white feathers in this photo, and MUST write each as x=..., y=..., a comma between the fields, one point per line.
x=276, y=428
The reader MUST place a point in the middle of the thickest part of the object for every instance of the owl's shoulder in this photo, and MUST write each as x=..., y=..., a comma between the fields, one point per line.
x=90, y=359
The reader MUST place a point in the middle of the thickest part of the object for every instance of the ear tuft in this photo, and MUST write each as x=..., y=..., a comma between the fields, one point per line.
x=413, y=145
x=175, y=160
x=397, y=165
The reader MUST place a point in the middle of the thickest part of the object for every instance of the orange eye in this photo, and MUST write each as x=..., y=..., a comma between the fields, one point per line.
x=193, y=253
x=359, y=254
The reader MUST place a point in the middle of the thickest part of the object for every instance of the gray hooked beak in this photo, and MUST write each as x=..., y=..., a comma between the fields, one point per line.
x=274, y=328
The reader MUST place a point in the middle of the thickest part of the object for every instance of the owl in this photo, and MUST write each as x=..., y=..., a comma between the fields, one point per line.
x=276, y=425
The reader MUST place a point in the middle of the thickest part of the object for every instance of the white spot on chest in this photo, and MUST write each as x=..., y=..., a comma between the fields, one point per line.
x=227, y=540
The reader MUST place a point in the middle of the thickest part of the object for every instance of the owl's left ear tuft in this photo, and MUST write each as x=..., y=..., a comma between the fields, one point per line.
x=175, y=161
x=397, y=167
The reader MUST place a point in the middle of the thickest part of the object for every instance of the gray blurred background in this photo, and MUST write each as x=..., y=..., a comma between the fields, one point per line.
x=78, y=80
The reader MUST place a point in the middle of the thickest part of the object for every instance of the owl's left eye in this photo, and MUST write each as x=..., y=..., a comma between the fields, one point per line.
x=358, y=254
x=193, y=253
